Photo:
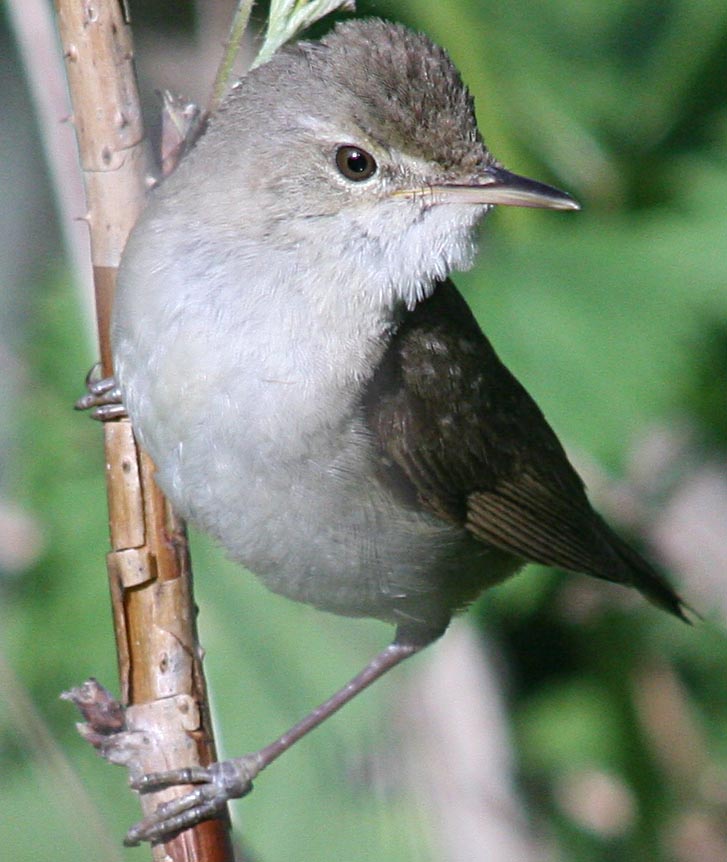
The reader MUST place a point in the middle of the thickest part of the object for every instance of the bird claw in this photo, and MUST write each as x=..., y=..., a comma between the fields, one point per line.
x=103, y=398
x=217, y=784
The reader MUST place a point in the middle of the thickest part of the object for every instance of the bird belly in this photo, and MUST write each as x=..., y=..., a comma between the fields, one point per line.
x=322, y=529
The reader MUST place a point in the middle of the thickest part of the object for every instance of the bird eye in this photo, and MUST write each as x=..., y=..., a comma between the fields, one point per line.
x=355, y=164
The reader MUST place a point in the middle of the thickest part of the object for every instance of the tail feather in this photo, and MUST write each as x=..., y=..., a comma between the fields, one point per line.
x=637, y=572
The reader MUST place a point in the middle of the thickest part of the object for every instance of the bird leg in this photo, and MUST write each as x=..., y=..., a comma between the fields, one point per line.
x=231, y=779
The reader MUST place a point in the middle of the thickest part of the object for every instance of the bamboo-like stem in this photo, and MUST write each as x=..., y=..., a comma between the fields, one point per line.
x=149, y=572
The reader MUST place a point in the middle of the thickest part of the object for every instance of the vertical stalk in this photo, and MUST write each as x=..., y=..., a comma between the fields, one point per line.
x=162, y=682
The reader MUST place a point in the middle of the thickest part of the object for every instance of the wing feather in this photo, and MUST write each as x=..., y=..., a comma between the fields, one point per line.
x=473, y=448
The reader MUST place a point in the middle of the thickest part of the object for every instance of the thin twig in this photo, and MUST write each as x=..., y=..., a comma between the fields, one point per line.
x=237, y=31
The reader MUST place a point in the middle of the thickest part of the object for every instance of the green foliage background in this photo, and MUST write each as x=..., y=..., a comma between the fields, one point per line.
x=615, y=319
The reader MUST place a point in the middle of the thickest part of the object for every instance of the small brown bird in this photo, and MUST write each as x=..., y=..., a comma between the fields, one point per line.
x=313, y=389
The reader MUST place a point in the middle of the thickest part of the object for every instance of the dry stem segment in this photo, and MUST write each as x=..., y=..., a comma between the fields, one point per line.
x=149, y=573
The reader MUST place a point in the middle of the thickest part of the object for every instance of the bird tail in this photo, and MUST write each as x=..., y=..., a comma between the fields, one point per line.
x=644, y=577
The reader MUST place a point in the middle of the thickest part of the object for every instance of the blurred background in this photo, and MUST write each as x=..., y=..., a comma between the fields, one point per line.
x=562, y=719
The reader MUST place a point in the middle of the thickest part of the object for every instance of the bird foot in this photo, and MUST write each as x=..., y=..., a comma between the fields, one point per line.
x=216, y=785
x=103, y=398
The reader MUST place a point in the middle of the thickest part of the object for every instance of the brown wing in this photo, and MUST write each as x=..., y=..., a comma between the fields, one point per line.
x=464, y=439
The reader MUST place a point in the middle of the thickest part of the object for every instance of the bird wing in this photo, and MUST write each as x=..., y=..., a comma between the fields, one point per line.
x=463, y=439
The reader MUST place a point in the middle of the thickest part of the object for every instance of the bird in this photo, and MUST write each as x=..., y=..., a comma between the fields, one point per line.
x=313, y=389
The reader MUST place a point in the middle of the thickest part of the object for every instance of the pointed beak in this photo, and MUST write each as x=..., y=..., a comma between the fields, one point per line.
x=500, y=187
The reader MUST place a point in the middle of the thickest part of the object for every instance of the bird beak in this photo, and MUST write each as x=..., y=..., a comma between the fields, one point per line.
x=498, y=186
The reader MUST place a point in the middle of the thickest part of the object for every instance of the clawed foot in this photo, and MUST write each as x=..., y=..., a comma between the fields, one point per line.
x=218, y=783
x=103, y=398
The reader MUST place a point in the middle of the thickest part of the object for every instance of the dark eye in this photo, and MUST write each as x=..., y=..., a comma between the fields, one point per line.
x=354, y=163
